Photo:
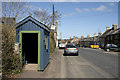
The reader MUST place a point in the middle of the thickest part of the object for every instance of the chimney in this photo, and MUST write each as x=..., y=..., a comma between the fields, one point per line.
x=95, y=34
x=82, y=36
x=88, y=36
x=74, y=38
x=107, y=28
x=114, y=26
x=99, y=34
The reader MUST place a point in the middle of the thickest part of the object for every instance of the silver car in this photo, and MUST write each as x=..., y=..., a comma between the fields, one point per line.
x=71, y=49
x=62, y=45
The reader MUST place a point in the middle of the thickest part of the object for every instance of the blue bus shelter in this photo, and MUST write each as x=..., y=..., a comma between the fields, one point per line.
x=33, y=37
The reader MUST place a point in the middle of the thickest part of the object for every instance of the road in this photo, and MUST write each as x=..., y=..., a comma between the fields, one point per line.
x=91, y=63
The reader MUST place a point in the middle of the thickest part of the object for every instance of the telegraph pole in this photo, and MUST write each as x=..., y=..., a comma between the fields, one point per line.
x=53, y=14
x=56, y=27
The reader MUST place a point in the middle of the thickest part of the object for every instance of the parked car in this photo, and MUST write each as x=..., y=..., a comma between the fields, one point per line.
x=61, y=45
x=113, y=47
x=71, y=49
x=85, y=46
x=94, y=46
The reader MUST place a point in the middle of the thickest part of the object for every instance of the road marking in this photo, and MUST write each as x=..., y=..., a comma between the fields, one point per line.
x=63, y=70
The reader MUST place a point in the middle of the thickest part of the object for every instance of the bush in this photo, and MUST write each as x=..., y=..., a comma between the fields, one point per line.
x=52, y=42
x=10, y=60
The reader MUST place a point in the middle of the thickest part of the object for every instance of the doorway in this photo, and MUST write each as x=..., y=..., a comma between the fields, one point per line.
x=30, y=42
x=30, y=47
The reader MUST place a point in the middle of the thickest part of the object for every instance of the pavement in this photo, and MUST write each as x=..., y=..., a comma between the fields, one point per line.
x=32, y=67
x=90, y=63
x=0, y=63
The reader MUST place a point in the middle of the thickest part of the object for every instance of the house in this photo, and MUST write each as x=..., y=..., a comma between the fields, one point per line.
x=33, y=37
x=109, y=36
x=113, y=37
x=87, y=41
x=102, y=37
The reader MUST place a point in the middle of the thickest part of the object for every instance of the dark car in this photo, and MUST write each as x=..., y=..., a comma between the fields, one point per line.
x=71, y=49
x=109, y=47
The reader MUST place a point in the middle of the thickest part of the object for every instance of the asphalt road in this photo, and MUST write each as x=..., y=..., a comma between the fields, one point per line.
x=90, y=63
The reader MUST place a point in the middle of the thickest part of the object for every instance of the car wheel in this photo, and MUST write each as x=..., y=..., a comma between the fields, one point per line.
x=108, y=50
x=64, y=54
x=77, y=54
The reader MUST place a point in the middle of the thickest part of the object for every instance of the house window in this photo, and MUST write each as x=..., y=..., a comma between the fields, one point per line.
x=116, y=36
x=111, y=37
x=107, y=37
x=46, y=42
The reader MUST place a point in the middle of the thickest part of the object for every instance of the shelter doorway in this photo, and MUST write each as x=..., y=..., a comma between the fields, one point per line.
x=30, y=47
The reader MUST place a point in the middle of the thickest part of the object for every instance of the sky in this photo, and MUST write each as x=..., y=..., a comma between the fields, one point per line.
x=81, y=18
x=60, y=0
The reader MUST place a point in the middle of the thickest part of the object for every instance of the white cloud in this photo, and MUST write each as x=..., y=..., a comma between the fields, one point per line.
x=78, y=10
x=101, y=8
x=28, y=6
x=69, y=14
x=111, y=4
x=39, y=9
x=86, y=9
x=31, y=7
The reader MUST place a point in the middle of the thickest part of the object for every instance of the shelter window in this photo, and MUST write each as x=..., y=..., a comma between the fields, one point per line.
x=46, y=42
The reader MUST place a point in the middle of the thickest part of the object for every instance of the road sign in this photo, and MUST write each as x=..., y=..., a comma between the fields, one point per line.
x=52, y=27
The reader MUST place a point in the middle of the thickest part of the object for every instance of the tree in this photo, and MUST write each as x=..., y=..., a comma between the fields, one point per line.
x=11, y=12
x=47, y=18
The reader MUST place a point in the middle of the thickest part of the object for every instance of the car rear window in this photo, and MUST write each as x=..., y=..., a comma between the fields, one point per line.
x=70, y=46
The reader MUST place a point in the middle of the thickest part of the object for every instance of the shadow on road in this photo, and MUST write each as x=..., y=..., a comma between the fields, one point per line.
x=70, y=55
x=62, y=48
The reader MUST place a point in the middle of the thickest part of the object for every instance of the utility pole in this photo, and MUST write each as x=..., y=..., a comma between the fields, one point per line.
x=53, y=14
x=56, y=27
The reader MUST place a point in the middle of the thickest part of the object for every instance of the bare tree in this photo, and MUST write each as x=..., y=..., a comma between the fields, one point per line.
x=14, y=9
x=45, y=17
x=49, y=19
x=11, y=11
